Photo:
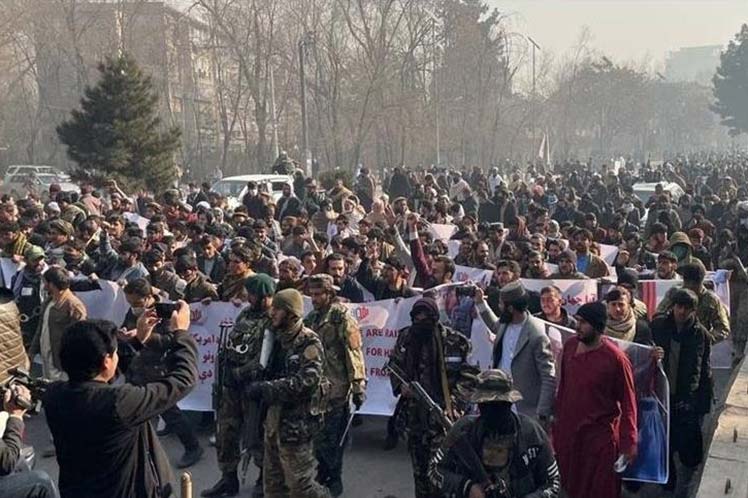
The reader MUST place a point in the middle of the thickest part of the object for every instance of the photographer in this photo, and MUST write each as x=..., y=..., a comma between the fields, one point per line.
x=105, y=446
x=32, y=484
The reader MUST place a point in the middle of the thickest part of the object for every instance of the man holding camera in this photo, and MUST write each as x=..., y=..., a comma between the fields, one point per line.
x=148, y=365
x=32, y=484
x=105, y=445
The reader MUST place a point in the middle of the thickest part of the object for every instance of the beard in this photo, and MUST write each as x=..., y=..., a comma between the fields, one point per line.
x=589, y=339
x=505, y=316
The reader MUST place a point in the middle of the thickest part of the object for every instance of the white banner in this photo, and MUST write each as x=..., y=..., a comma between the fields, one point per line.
x=608, y=253
x=207, y=325
x=574, y=293
x=442, y=231
x=470, y=274
x=107, y=303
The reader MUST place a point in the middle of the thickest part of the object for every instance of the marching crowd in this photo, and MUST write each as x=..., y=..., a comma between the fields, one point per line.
x=288, y=383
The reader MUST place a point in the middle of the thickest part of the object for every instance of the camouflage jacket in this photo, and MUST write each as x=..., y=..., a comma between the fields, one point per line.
x=296, y=387
x=710, y=311
x=344, y=359
x=245, y=343
x=443, y=356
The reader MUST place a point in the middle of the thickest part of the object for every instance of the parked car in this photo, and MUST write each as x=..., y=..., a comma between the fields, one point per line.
x=19, y=178
x=235, y=187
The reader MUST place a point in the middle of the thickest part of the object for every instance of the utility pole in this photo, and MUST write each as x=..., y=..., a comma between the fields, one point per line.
x=436, y=94
x=306, y=39
x=273, y=116
x=532, y=107
x=435, y=77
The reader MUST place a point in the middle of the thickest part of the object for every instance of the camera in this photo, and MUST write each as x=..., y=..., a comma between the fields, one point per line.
x=35, y=385
x=467, y=290
x=165, y=310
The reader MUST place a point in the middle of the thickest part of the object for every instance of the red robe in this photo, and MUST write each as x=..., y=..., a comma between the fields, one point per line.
x=595, y=419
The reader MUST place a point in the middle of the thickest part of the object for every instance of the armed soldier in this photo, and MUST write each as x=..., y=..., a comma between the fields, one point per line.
x=344, y=369
x=435, y=356
x=236, y=414
x=499, y=453
x=295, y=405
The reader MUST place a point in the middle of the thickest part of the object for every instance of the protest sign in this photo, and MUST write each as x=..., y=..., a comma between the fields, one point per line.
x=470, y=274
x=208, y=325
x=442, y=231
x=106, y=303
x=574, y=293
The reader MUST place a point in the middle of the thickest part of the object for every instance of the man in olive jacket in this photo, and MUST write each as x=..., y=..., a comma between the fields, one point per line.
x=106, y=447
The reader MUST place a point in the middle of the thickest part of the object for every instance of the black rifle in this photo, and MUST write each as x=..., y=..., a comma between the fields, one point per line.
x=463, y=449
x=222, y=367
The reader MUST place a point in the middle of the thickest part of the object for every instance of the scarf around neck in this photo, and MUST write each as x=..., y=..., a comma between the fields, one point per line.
x=624, y=329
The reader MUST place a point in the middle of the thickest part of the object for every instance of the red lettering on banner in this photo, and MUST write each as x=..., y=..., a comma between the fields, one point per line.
x=374, y=332
x=377, y=372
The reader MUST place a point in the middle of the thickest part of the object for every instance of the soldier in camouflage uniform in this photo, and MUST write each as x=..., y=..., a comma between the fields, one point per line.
x=344, y=369
x=240, y=365
x=436, y=356
x=710, y=311
x=294, y=396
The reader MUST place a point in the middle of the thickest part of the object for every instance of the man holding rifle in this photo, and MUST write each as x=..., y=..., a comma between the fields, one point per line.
x=239, y=365
x=434, y=357
x=497, y=454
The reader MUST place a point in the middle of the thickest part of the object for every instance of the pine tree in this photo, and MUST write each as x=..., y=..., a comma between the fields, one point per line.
x=731, y=84
x=117, y=133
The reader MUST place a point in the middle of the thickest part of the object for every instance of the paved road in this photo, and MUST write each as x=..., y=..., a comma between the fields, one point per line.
x=370, y=472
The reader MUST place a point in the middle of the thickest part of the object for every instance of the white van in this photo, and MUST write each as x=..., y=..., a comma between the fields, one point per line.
x=235, y=187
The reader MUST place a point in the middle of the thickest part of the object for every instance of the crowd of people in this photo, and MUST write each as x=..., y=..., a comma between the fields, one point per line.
x=288, y=383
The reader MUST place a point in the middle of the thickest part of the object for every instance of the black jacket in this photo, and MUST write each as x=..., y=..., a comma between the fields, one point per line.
x=10, y=446
x=532, y=470
x=105, y=445
x=691, y=384
x=217, y=272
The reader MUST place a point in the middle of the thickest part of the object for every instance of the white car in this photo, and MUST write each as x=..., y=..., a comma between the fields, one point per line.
x=235, y=187
x=646, y=190
x=19, y=177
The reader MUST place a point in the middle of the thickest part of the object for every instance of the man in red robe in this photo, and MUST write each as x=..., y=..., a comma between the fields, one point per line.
x=595, y=410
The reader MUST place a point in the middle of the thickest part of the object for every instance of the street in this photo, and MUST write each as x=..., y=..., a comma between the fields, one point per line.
x=369, y=472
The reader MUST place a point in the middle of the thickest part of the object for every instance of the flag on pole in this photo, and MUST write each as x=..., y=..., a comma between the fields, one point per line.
x=544, y=153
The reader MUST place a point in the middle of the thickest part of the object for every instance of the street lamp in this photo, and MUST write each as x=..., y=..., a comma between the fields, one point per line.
x=305, y=40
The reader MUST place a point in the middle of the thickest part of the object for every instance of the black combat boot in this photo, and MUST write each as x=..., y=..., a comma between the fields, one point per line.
x=227, y=486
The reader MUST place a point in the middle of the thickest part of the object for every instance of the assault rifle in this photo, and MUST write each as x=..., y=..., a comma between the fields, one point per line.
x=462, y=447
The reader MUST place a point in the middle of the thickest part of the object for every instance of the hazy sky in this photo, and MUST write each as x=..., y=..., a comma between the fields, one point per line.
x=628, y=29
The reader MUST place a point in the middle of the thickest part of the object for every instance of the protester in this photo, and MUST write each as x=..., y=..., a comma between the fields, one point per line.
x=438, y=224
x=595, y=409
x=61, y=310
x=522, y=349
x=683, y=345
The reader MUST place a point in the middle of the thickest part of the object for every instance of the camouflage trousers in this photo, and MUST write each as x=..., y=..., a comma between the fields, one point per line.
x=233, y=413
x=290, y=470
x=422, y=446
x=327, y=446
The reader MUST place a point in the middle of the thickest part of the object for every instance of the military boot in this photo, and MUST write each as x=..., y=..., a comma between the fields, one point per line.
x=228, y=485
